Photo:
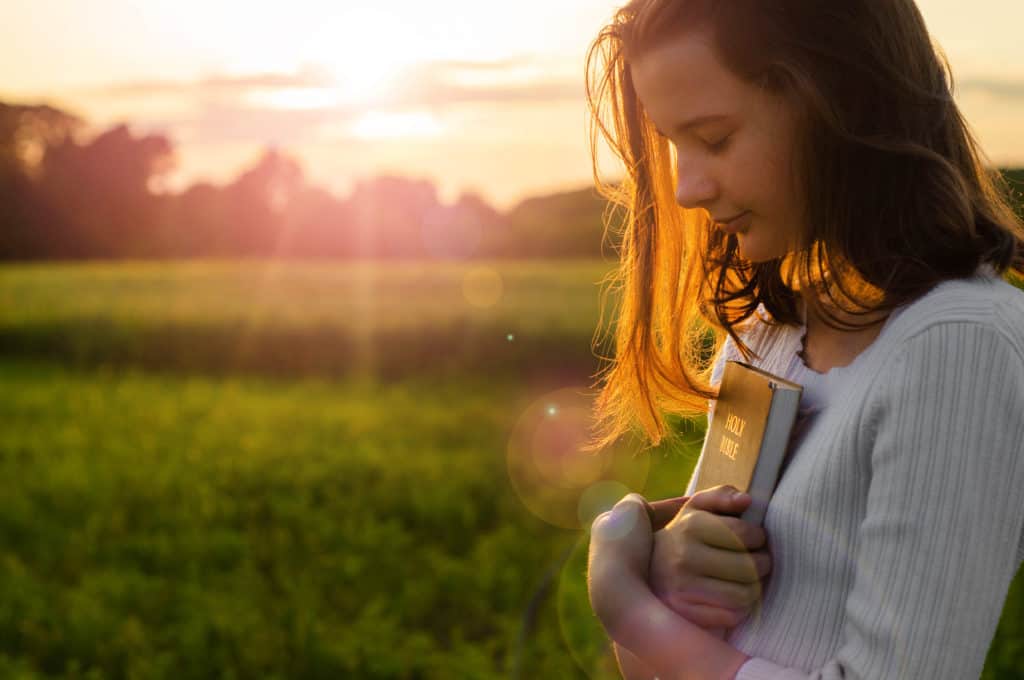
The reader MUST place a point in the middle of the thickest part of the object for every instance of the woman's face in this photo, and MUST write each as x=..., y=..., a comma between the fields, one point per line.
x=735, y=157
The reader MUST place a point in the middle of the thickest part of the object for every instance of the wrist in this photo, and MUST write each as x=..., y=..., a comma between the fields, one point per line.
x=673, y=647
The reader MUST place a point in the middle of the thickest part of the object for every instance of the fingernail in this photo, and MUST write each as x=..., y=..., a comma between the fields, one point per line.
x=627, y=505
x=648, y=508
x=620, y=521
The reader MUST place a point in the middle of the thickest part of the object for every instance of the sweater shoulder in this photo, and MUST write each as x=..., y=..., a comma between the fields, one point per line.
x=981, y=301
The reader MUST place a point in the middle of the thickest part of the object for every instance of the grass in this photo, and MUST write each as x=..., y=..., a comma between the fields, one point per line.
x=192, y=527
x=305, y=319
x=162, y=520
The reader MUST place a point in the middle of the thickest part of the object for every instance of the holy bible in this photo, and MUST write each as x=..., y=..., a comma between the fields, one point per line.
x=748, y=435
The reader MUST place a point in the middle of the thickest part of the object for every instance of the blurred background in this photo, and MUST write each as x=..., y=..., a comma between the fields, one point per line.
x=297, y=335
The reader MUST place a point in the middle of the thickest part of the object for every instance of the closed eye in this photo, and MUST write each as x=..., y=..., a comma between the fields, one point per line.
x=715, y=147
x=720, y=145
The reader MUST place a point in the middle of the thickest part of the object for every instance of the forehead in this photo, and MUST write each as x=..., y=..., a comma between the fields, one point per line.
x=683, y=77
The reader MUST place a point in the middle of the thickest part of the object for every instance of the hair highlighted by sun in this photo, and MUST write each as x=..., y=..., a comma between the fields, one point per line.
x=899, y=196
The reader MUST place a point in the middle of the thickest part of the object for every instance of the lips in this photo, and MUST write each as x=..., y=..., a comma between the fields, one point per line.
x=735, y=224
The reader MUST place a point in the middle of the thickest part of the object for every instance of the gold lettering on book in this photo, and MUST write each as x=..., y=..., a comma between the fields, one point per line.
x=728, y=446
x=735, y=424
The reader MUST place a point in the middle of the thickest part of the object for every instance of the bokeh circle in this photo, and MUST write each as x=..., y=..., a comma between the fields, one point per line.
x=554, y=478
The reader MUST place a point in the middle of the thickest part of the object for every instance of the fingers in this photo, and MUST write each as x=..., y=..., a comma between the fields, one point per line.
x=729, y=565
x=725, y=594
x=663, y=511
x=727, y=533
x=720, y=500
x=762, y=562
x=712, y=517
x=720, y=531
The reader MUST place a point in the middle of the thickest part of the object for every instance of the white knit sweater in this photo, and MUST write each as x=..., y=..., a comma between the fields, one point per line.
x=896, y=527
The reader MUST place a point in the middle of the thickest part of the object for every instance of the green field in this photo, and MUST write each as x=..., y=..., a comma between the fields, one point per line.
x=308, y=319
x=173, y=511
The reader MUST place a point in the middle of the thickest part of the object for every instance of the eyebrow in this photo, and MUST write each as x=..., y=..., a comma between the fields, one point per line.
x=694, y=122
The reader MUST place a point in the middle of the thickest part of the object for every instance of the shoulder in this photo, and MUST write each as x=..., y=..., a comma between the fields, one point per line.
x=957, y=345
x=953, y=357
x=957, y=311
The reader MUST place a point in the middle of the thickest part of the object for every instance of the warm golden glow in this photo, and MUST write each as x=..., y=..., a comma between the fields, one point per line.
x=374, y=125
x=366, y=50
x=452, y=90
x=360, y=84
x=295, y=98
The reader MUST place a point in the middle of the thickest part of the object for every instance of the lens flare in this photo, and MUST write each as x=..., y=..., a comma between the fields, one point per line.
x=553, y=477
x=598, y=498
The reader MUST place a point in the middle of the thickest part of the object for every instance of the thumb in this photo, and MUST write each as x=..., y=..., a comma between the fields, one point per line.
x=623, y=518
x=625, y=532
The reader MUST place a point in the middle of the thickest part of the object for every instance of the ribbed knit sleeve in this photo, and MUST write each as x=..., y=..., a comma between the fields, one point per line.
x=936, y=550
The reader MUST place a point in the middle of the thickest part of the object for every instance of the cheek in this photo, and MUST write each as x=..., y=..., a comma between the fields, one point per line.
x=769, y=177
x=753, y=169
x=767, y=158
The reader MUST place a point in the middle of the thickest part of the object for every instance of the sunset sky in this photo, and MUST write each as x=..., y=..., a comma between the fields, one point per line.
x=482, y=96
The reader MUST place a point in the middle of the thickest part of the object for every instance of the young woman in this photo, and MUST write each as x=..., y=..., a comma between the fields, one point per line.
x=799, y=178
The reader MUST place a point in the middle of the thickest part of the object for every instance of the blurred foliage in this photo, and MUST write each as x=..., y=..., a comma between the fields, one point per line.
x=68, y=192
x=180, y=524
x=291, y=319
x=1015, y=183
x=188, y=527
x=65, y=194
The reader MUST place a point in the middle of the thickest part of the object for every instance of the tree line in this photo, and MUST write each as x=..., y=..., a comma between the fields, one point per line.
x=65, y=197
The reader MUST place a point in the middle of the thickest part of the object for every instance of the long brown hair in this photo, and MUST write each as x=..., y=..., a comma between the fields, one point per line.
x=898, y=198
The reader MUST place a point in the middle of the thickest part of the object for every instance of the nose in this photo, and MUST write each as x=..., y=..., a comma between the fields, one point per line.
x=695, y=185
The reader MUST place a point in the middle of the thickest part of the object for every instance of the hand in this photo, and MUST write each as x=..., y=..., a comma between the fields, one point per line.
x=621, y=542
x=705, y=565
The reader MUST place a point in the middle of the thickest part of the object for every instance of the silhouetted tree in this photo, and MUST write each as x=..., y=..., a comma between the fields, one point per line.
x=193, y=224
x=319, y=225
x=468, y=228
x=256, y=204
x=26, y=220
x=390, y=214
x=101, y=192
x=60, y=197
x=567, y=224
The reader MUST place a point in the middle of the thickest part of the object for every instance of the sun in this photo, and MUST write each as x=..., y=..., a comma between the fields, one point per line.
x=366, y=84
x=366, y=49
x=367, y=66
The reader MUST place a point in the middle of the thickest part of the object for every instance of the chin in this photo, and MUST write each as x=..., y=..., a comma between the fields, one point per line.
x=752, y=251
x=747, y=250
